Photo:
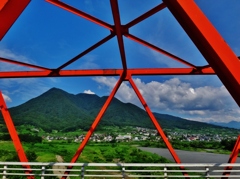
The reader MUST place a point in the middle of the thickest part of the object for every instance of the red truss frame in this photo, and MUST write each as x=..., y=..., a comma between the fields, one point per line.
x=222, y=61
x=9, y=12
x=233, y=157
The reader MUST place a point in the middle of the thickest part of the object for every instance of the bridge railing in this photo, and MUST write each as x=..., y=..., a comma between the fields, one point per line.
x=119, y=170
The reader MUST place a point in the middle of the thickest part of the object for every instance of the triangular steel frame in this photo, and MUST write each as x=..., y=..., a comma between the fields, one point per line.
x=232, y=158
x=222, y=60
x=14, y=135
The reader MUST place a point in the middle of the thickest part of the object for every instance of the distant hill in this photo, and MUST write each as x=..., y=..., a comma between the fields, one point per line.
x=231, y=124
x=58, y=110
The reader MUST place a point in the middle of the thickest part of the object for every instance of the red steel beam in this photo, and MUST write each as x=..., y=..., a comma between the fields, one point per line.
x=94, y=125
x=107, y=72
x=86, y=51
x=14, y=136
x=155, y=123
x=22, y=64
x=61, y=73
x=9, y=13
x=136, y=39
x=171, y=71
x=119, y=30
x=233, y=157
x=145, y=15
x=209, y=42
x=80, y=13
x=3, y=3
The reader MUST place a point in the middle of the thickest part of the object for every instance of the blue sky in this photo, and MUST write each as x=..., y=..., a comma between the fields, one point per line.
x=48, y=36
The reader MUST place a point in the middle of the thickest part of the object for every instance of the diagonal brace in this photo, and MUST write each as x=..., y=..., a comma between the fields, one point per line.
x=94, y=125
x=14, y=136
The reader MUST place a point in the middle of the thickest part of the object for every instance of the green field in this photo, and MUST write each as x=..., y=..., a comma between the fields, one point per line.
x=99, y=153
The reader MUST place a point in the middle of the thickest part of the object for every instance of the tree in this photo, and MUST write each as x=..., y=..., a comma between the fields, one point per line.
x=228, y=144
x=31, y=155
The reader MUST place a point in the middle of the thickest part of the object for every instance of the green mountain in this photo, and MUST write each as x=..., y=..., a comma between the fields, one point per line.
x=59, y=110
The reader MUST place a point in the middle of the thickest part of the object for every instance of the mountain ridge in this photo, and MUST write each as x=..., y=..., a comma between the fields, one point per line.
x=231, y=124
x=57, y=109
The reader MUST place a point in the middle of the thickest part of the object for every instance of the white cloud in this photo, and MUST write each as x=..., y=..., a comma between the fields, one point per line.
x=125, y=93
x=21, y=89
x=107, y=81
x=192, y=90
x=6, y=98
x=8, y=54
x=178, y=95
x=88, y=92
x=173, y=95
x=88, y=62
x=224, y=115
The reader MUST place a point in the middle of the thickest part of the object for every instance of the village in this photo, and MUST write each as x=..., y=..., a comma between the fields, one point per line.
x=141, y=134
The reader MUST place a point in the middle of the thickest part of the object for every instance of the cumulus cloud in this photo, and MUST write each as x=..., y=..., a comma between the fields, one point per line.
x=88, y=92
x=174, y=95
x=125, y=93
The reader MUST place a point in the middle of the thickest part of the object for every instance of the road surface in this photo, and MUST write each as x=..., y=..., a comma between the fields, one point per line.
x=60, y=160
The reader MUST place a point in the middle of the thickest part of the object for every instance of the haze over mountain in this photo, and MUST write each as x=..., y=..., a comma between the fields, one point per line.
x=59, y=110
x=231, y=124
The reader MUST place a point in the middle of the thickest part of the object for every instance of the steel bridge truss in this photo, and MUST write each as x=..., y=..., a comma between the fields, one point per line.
x=222, y=61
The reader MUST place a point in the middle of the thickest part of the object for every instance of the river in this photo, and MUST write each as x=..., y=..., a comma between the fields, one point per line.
x=194, y=157
x=190, y=156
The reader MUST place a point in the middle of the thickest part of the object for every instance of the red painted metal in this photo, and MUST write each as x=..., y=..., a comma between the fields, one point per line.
x=2, y=4
x=87, y=51
x=145, y=15
x=119, y=30
x=209, y=42
x=81, y=13
x=107, y=72
x=171, y=71
x=14, y=135
x=61, y=73
x=197, y=26
x=95, y=124
x=155, y=123
x=233, y=157
x=132, y=37
x=9, y=13
x=23, y=64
